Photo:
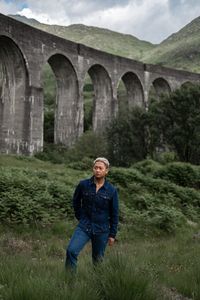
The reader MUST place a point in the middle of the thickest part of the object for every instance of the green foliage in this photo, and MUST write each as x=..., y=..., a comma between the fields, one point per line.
x=84, y=164
x=175, y=52
x=129, y=283
x=183, y=174
x=49, y=126
x=88, y=106
x=49, y=88
x=89, y=146
x=166, y=157
x=147, y=166
x=152, y=202
x=151, y=198
x=32, y=266
x=54, y=153
x=174, y=122
x=126, y=137
x=88, y=103
x=28, y=197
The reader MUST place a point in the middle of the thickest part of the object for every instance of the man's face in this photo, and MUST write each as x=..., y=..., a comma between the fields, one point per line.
x=100, y=170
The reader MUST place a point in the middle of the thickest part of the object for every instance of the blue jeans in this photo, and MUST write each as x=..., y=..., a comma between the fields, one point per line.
x=79, y=240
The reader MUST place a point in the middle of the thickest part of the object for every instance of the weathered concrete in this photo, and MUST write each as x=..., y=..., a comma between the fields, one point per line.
x=25, y=50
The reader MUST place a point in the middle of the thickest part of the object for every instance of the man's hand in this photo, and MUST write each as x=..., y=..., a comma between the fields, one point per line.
x=111, y=241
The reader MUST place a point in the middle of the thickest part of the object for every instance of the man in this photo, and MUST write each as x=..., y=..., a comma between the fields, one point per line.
x=95, y=203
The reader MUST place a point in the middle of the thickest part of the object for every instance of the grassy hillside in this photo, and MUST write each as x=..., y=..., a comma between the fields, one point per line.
x=99, y=38
x=157, y=246
x=153, y=197
x=181, y=50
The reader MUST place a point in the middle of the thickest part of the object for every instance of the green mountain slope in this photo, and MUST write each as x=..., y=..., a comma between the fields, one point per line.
x=181, y=50
x=99, y=38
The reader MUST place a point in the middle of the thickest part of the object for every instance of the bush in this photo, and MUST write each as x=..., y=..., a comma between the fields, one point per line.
x=89, y=145
x=28, y=199
x=147, y=204
x=126, y=138
x=174, y=123
x=183, y=174
x=166, y=157
x=147, y=166
x=155, y=202
x=82, y=165
x=56, y=154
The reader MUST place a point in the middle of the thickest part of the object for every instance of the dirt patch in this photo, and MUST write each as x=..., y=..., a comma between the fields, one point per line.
x=172, y=294
x=13, y=245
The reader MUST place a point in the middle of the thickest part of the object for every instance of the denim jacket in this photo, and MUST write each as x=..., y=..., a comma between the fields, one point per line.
x=97, y=212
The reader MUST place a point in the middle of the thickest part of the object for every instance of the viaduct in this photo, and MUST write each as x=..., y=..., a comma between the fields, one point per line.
x=25, y=50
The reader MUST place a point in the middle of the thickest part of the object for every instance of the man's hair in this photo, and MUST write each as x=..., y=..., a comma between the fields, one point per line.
x=102, y=159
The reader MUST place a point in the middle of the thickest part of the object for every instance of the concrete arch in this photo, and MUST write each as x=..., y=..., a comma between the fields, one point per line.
x=14, y=104
x=187, y=84
x=21, y=93
x=67, y=98
x=103, y=104
x=159, y=87
x=134, y=88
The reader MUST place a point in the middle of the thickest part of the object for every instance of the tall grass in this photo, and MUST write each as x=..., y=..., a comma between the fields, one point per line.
x=140, y=268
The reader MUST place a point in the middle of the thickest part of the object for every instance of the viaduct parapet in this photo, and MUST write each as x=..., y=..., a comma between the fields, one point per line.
x=24, y=51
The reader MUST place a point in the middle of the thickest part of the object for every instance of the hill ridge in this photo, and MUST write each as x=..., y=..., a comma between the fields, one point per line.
x=181, y=50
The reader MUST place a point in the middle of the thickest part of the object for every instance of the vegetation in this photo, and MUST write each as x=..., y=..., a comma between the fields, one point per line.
x=170, y=125
x=49, y=87
x=126, y=138
x=157, y=246
x=98, y=38
x=174, y=123
x=156, y=200
x=33, y=266
x=180, y=50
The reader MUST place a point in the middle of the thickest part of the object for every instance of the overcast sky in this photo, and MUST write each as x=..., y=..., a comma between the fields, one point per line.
x=150, y=20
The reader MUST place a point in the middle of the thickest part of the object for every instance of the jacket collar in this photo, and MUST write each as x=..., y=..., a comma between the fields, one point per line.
x=105, y=185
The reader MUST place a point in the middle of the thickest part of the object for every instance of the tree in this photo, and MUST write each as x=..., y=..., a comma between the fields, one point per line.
x=126, y=138
x=175, y=122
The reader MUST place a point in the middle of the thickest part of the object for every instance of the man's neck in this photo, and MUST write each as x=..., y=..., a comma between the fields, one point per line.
x=99, y=181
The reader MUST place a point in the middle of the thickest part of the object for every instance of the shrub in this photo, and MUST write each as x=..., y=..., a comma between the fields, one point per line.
x=89, y=145
x=27, y=199
x=126, y=138
x=183, y=174
x=84, y=164
x=147, y=166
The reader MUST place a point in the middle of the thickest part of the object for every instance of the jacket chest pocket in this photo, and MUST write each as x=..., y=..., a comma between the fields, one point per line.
x=102, y=201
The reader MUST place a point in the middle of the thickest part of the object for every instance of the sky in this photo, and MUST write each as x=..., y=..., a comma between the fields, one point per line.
x=149, y=20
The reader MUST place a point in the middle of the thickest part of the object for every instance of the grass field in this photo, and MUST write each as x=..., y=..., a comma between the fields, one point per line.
x=136, y=267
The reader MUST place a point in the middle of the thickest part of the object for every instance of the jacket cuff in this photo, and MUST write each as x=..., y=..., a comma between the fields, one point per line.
x=112, y=235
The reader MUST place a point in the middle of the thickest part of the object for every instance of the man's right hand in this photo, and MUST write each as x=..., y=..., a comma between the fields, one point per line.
x=111, y=241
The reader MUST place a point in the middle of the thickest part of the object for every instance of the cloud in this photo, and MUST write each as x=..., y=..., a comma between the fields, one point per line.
x=139, y=18
x=152, y=20
x=7, y=7
x=45, y=17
